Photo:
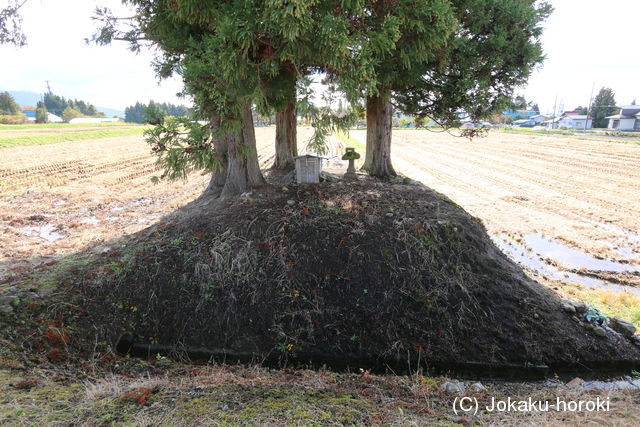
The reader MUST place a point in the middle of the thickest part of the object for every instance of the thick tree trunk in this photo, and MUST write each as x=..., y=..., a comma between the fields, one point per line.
x=219, y=176
x=243, y=170
x=378, y=154
x=286, y=138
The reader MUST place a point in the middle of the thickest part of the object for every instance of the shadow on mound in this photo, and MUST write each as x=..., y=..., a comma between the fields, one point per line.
x=363, y=274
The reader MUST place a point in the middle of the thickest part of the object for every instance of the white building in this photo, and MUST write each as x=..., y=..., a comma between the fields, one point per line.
x=627, y=119
x=552, y=123
x=52, y=118
x=570, y=121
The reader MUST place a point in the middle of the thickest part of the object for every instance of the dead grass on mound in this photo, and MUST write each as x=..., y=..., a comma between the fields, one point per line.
x=364, y=273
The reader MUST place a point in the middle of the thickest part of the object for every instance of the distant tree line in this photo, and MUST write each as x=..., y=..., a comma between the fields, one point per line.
x=154, y=112
x=71, y=108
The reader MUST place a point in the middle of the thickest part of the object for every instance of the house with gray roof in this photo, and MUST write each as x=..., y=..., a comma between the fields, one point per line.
x=627, y=120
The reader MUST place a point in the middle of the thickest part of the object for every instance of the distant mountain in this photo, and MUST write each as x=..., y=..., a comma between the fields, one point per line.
x=110, y=112
x=31, y=98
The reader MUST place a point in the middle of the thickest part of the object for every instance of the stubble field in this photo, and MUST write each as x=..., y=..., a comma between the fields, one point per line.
x=565, y=208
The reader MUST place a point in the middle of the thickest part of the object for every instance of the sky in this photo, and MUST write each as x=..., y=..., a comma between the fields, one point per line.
x=586, y=42
x=107, y=76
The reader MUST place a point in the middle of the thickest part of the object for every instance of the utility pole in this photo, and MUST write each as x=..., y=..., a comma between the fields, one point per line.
x=553, y=119
x=48, y=86
x=586, y=122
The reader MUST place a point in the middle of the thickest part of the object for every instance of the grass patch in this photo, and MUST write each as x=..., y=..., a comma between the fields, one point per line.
x=52, y=138
x=613, y=304
x=577, y=134
x=350, y=141
x=61, y=125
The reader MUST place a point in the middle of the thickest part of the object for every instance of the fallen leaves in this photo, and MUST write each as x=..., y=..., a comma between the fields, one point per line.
x=139, y=396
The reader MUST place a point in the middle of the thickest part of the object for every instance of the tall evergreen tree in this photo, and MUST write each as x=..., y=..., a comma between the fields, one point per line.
x=154, y=114
x=604, y=104
x=42, y=115
x=435, y=58
x=135, y=113
x=494, y=48
x=8, y=104
x=231, y=55
x=429, y=57
x=520, y=102
x=399, y=39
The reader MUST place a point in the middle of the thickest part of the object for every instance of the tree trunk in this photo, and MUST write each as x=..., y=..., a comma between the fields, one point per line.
x=286, y=138
x=243, y=170
x=378, y=154
x=219, y=176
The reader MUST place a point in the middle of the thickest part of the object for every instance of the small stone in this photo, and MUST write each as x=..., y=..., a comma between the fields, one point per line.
x=568, y=307
x=623, y=327
x=477, y=388
x=329, y=177
x=6, y=309
x=575, y=319
x=453, y=387
x=285, y=189
x=575, y=383
x=581, y=307
x=599, y=331
x=552, y=383
x=291, y=202
x=389, y=215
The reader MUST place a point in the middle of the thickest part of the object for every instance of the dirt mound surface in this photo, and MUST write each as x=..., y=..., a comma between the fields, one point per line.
x=361, y=274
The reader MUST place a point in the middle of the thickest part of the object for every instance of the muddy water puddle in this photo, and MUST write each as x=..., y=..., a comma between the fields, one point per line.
x=534, y=251
x=46, y=231
x=627, y=252
x=631, y=237
x=572, y=258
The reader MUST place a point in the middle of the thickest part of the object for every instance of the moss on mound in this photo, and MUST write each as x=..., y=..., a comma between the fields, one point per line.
x=362, y=274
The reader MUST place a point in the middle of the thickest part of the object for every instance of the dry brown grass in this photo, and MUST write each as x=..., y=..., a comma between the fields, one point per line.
x=179, y=395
